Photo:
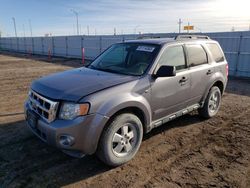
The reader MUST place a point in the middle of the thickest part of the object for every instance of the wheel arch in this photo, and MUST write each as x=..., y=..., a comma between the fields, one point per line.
x=134, y=110
x=219, y=83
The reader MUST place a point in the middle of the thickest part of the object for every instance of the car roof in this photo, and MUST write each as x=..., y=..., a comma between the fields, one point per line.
x=159, y=41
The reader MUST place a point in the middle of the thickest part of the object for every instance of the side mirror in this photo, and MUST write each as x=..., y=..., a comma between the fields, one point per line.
x=165, y=71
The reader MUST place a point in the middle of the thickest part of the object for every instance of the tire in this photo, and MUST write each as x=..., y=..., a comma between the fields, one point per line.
x=120, y=140
x=212, y=103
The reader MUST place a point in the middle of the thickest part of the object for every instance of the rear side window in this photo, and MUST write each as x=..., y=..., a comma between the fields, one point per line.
x=216, y=52
x=173, y=56
x=196, y=55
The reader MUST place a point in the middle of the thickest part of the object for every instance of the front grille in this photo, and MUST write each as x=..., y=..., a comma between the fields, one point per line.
x=44, y=107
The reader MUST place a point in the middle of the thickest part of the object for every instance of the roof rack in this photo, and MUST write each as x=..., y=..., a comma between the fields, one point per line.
x=148, y=37
x=192, y=37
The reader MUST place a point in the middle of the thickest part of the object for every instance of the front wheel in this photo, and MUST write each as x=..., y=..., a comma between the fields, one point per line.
x=212, y=103
x=121, y=140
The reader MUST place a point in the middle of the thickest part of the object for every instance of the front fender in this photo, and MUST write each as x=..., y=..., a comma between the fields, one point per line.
x=126, y=100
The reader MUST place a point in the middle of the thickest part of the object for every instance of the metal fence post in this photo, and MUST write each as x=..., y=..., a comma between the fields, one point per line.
x=17, y=42
x=238, y=55
x=32, y=42
x=25, y=45
x=100, y=51
x=43, y=46
x=53, y=46
x=66, y=43
x=11, y=45
x=82, y=38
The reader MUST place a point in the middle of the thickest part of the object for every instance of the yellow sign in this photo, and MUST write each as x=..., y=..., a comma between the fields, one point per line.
x=189, y=27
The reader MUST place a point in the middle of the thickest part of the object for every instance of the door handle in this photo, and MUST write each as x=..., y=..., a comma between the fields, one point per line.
x=183, y=80
x=209, y=72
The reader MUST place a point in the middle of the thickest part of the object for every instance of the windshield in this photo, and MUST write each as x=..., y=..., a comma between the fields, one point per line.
x=126, y=58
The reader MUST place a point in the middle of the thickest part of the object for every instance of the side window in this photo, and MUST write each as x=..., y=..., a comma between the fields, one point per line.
x=216, y=52
x=196, y=55
x=174, y=56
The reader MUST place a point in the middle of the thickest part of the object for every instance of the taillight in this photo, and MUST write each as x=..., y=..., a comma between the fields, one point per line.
x=227, y=69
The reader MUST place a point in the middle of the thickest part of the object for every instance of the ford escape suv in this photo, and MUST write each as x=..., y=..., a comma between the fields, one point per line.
x=128, y=90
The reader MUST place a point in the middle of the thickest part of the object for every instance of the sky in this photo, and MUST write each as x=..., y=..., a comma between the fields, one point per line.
x=126, y=16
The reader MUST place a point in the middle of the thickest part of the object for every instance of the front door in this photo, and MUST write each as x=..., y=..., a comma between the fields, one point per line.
x=170, y=94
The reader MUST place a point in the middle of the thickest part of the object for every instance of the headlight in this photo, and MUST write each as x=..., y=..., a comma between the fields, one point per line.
x=70, y=111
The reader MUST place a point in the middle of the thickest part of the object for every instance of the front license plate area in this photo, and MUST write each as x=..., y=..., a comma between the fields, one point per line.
x=32, y=119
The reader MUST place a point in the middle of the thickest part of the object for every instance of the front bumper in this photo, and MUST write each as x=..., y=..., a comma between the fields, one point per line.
x=85, y=130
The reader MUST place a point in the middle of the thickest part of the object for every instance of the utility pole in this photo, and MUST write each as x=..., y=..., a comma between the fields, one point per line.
x=76, y=13
x=14, y=22
x=180, y=22
x=188, y=27
x=30, y=28
x=114, y=31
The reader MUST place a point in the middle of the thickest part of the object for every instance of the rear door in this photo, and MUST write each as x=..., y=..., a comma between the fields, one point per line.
x=200, y=71
x=170, y=94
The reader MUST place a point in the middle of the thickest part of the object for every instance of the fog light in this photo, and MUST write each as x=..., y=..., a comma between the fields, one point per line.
x=66, y=140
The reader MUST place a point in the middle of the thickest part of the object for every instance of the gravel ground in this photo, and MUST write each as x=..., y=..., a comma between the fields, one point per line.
x=187, y=152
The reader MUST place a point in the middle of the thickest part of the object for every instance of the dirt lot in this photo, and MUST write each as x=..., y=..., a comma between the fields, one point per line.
x=187, y=152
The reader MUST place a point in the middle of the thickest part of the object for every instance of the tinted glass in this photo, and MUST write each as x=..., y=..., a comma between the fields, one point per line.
x=126, y=58
x=216, y=52
x=196, y=55
x=173, y=56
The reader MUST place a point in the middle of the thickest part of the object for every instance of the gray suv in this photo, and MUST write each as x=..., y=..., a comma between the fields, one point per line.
x=131, y=88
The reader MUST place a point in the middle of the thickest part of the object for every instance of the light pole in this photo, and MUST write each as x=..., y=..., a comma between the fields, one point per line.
x=14, y=22
x=179, y=23
x=76, y=13
x=30, y=28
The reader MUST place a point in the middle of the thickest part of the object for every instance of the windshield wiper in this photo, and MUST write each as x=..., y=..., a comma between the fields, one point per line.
x=106, y=70
x=111, y=70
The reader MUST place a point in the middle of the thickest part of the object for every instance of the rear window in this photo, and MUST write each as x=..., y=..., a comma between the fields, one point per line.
x=196, y=55
x=216, y=52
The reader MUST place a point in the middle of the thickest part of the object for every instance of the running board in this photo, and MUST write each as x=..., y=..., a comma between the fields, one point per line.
x=175, y=115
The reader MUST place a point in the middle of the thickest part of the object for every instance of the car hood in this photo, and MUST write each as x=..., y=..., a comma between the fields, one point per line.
x=74, y=84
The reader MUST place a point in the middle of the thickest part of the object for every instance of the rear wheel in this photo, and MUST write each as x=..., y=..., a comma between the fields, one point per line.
x=212, y=103
x=121, y=140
